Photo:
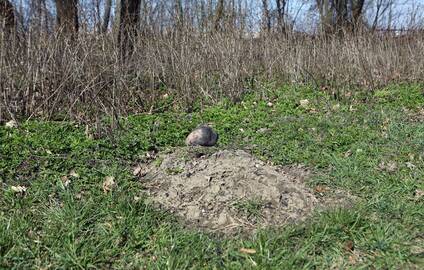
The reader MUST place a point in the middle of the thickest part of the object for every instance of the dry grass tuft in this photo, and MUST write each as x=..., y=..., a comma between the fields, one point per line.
x=43, y=75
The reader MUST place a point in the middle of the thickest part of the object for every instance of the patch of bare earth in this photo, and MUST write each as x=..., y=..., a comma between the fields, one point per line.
x=230, y=191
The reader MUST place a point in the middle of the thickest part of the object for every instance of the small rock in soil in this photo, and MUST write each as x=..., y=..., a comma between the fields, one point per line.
x=202, y=136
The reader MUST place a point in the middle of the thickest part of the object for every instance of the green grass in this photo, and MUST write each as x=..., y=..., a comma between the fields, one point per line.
x=249, y=207
x=78, y=226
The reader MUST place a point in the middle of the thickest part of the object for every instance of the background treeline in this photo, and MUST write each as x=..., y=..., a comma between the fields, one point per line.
x=83, y=59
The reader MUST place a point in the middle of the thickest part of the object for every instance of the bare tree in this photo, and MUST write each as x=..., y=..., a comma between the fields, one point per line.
x=336, y=15
x=219, y=14
x=106, y=15
x=381, y=7
x=179, y=16
x=67, y=16
x=357, y=11
x=281, y=12
x=325, y=15
x=266, y=17
x=128, y=17
x=7, y=15
x=202, y=16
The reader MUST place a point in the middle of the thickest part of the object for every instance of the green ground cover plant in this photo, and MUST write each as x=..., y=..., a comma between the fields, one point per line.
x=56, y=212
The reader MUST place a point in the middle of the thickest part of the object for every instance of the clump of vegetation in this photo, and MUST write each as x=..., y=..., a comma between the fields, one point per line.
x=72, y=64
x=251, y=207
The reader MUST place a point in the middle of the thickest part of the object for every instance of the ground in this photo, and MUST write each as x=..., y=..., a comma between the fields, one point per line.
x=231, y=191
x=70, y=201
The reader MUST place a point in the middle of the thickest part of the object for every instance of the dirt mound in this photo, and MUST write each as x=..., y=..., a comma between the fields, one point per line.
x=228, y=191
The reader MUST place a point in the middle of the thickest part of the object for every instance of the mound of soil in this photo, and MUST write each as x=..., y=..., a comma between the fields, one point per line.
x=229, y=191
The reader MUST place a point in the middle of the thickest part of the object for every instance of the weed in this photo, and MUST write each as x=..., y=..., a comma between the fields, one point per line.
x=250, y=207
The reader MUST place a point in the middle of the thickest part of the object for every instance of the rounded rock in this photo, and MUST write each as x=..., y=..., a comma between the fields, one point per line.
x=202, y=136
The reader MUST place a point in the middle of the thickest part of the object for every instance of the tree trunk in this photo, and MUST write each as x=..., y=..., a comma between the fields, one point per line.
x=106, y=15
x=67, y=16
x=48, y=18
x=326, y=16
x=39, y=16
x=128, y=19
x=219, y=14
x=7, y=15
x=179, y=16
x=342, y=19
x=266, y=18
x=357, y=10
x=203, y=17
x=338, y=15
x=281, y=10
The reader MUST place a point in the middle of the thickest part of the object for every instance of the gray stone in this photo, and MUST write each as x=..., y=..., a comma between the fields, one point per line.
x=202, y=136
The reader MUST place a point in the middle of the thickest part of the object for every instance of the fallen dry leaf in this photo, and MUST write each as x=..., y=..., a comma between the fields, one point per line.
x=390, y=166
x=419, y=193
x=73, y=173
x=313, y=110
x=139, y=171
x=11, y=124
x=348, y=153
x=349, y=245
x=65, y=180
x=417, y=249
x=79, y=195
x=263, y=130
x=136, y=170
x=355, y=257
x=88, y=133
x=108, y=184
x=18, y=189
x=304, y=103
x=336, y=107
x=151, y=154
x=352, y=259
x=247, y=251
x=410, y=165
x=385, y=124
x=320, y=189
